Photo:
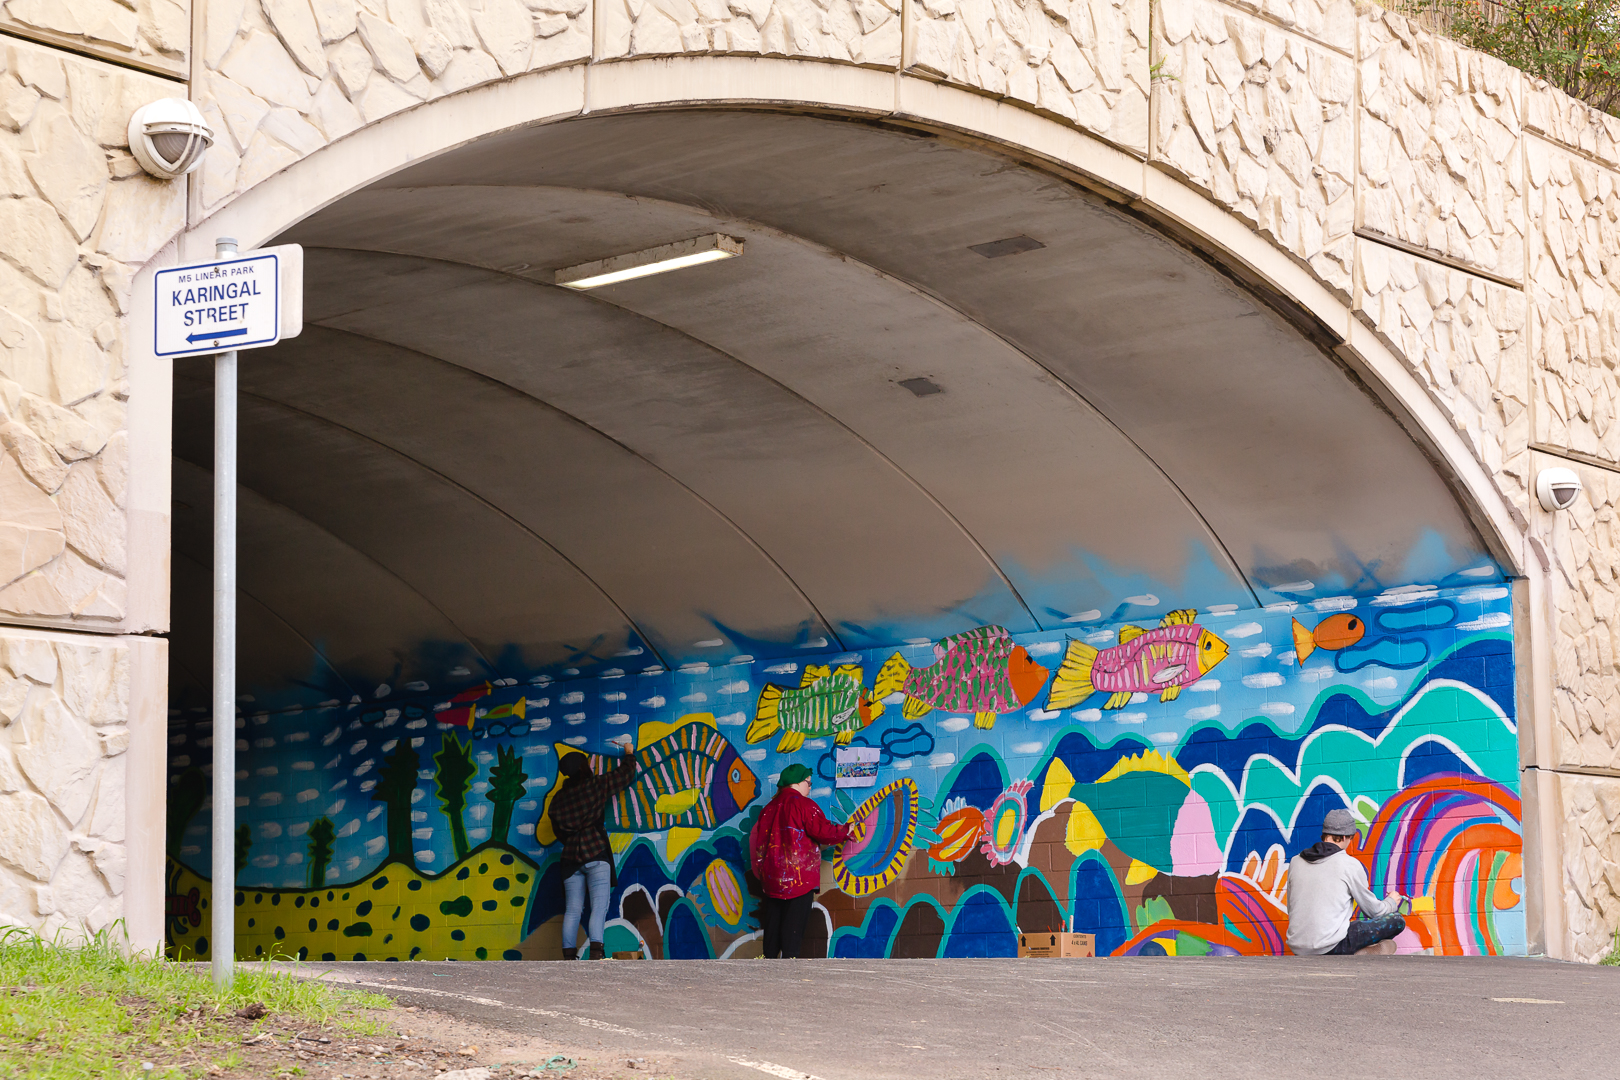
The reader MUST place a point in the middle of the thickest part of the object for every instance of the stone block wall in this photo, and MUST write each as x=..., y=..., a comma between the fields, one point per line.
x=1440, y=147
x=1260, y=118
x=1591, y=822
x=78, y=219
x=1085, y=62
x=282, y=78
x=1573, y=298
x=853, y=31
x=154, y=35
x=68, y=842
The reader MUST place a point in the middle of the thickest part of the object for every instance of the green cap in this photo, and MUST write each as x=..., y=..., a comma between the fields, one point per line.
x=793, y=774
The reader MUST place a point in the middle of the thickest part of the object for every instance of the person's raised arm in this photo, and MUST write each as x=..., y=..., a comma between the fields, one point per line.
x=623, y=774
x=822, y=831
x=1363, y=894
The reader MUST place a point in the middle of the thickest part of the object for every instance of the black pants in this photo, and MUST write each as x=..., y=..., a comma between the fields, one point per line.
x=783, y=922
x=1365, y=932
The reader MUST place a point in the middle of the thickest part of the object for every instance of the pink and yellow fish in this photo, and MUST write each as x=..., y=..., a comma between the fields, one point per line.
x=1164, y=660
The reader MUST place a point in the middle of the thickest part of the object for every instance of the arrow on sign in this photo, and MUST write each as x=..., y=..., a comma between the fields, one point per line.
x=194, y=338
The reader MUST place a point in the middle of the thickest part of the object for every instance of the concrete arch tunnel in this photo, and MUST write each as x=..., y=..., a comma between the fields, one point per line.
x=949, y=385
x=875, y=425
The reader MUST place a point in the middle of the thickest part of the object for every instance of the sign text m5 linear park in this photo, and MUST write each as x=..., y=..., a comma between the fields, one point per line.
x=248, y=301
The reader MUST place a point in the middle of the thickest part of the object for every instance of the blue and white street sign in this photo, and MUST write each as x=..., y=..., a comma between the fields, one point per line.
x=247, y=301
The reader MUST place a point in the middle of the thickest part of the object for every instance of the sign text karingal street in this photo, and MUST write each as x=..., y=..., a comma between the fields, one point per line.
x=247, y=301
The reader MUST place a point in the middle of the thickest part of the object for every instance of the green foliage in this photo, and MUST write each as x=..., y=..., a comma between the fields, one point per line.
x=244, y=844
x=454, y=776
x=83, y=1010
x=1613, y=959
x=1574, y=46
x=395, y=784
x=505, y=789
x=321, y=835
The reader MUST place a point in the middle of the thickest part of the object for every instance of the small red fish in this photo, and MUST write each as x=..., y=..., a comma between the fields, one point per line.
x=460, y=712
x=176, y=906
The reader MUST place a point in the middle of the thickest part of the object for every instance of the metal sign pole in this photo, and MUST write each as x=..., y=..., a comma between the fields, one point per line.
x=224, y=862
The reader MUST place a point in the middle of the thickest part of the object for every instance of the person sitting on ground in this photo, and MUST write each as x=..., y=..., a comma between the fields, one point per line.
x=786, y=845
x=1323, y=882
x=576, y=817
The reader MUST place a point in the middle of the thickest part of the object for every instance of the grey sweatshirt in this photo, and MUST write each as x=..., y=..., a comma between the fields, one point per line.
x=1320, y=895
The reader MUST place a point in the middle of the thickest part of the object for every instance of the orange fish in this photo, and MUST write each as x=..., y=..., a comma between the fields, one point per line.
x=1333, y=633
x=958, y=832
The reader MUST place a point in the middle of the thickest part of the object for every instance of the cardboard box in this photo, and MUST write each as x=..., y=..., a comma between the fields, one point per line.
x=1056, y=945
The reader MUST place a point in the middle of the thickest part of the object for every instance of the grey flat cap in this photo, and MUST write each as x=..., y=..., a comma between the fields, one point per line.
x=1338, y=823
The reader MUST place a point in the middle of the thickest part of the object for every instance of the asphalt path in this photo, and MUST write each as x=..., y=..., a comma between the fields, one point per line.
x=1195, y=1017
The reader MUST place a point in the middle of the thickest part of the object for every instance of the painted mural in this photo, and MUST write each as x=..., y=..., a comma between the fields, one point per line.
x=1144, y=781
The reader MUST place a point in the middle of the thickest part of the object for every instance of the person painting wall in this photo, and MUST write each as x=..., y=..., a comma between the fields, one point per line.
x=1163, y=822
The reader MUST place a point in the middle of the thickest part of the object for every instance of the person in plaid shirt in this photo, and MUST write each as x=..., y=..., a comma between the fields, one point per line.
x=577, y=818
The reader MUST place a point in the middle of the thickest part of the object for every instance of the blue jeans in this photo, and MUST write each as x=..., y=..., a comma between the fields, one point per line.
x=599, y=875
x=1365, y=932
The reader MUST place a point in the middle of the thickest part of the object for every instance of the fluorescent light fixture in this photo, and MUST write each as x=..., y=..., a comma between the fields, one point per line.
x=658, y=260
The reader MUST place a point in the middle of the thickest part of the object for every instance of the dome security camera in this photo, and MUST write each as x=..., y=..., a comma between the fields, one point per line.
x=168, y=137
x=1557, y=489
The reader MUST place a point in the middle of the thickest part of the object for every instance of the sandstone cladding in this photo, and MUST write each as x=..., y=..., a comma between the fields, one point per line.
x=64, y=711
x=152, y=34
x=77, y=221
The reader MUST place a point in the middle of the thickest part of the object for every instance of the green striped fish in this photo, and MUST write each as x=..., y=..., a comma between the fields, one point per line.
x=825, y=702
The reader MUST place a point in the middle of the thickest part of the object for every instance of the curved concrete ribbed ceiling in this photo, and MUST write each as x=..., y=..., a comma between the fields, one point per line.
x=462, y=470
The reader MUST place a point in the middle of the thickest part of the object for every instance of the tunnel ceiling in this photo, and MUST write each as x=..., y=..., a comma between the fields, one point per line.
x=461, y=470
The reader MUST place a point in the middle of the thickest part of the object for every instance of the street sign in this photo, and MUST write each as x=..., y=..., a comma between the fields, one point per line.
x=247, y=301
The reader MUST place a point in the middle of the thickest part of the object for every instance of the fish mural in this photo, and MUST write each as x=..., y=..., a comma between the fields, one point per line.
x=1004, y=824
x=687, y=775
x=1146, y=806
x=982, y=671
x=720, y=894
x=959, y=832
x=886, y=824
x=1162, y=661
x=518, y=708
x=1332, y=634
x=1164, y=829
x=826, y=702
x=462, y=709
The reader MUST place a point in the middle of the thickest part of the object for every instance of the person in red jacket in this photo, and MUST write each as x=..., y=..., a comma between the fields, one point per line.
x=786, y=845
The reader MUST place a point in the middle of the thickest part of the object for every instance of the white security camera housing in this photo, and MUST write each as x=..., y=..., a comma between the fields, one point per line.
x=1557, y=489
x=168, y=137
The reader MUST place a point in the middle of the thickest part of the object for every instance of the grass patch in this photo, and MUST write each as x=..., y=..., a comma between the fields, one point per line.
x=1613, y=959
x=69, y=1011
